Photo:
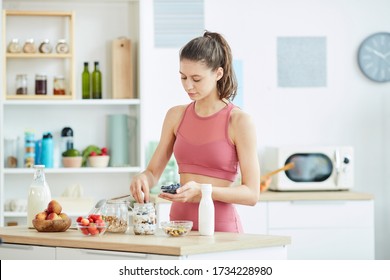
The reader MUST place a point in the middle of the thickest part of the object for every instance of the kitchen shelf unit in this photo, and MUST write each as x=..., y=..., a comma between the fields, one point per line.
x=43, y=59
x=15, y=111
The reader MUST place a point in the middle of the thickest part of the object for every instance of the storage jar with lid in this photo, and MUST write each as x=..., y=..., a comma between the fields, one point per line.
x=40, y=84
x=29, y=46
x=45, y=46
x=59, y=85
x=14, y=46
x=144, y=219
x=21, y=84
x=116, y=214
x=62, y=46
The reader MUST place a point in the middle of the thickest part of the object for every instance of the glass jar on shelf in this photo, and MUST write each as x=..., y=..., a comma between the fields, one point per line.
x=116, y=214
x=59, y=85
x=14, y=46
x=62, y=46
x=29, y=46
x=40, y=84
x=21, y=84
x=45, y=46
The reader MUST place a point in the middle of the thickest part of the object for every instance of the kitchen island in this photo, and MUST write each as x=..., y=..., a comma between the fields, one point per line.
x=24, y=243
x=321, y=224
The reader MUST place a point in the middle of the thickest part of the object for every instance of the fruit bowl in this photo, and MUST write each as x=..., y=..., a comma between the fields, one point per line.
x=93, y=225
x=177, y=228
x=98, y=161
x=74, y=162
x=92, y=230
x=51, y=225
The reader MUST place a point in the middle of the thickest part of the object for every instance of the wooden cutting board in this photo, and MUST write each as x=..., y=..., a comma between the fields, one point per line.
x=122, y=74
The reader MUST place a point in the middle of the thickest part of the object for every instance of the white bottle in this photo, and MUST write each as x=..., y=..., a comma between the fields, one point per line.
x=39, y=195
x=206, y=211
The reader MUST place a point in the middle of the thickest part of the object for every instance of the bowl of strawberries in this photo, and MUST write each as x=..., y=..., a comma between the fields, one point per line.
x=92, y=225
x=101, y=159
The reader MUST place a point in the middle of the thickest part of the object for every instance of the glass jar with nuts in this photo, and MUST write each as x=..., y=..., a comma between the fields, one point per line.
x=116, y=215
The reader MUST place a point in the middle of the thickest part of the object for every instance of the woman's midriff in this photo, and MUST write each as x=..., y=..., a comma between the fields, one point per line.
x=226, y=215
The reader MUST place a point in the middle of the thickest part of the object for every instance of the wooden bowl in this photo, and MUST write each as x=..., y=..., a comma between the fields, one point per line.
x=51, y=225
x=74, y=162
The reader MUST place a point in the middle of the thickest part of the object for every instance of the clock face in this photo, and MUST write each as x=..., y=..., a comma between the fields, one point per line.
x=374, y=57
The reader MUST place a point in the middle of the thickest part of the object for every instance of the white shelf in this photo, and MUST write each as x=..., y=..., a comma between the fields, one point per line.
x=89, y=102
x=83, y=170
x=12, y=214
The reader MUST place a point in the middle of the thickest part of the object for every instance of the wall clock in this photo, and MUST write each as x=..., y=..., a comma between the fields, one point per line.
x=374, y=57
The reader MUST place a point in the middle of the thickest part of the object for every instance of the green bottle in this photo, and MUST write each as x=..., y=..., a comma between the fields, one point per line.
x=96, y=82
x=86, y=82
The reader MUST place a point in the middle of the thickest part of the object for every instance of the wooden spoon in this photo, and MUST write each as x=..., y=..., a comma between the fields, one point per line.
x=269, y=174
x=286, y=167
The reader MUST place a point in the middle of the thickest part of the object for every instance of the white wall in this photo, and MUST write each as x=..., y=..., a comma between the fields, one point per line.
x=350, y=110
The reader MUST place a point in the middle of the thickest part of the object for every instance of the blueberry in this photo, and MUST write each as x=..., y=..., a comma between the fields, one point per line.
x=170, y=188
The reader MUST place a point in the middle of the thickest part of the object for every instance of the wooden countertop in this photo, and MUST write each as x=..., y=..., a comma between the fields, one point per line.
x=300, y=195
x=314, y=195
x=152, y=244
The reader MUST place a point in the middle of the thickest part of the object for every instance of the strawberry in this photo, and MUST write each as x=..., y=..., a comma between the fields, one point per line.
x=93, y=229
x=84, y=222
x=79, y=219
x=95, y=217
x=92, y=154
x=99, y=223
x=104, y=151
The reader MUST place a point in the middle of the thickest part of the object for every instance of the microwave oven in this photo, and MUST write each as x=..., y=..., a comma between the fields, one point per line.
x=315, y=168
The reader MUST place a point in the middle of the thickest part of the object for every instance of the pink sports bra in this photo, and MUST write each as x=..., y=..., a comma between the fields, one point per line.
x=203, y=146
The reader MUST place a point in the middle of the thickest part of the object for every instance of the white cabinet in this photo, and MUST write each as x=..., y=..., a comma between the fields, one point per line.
x=87, y=118
x=325, y=229
x=26, y=252
x=254, y=219
x=319, y=229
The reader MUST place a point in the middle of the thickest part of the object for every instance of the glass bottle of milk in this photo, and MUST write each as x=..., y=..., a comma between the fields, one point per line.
x=39, y=194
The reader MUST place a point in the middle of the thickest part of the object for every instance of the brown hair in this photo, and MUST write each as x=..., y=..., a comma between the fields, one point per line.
x=213, y=49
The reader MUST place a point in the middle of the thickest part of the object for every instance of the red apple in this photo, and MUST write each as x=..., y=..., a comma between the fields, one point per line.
x=41, y=215
x=64, y=216
x=53, y=216
x=54, y=207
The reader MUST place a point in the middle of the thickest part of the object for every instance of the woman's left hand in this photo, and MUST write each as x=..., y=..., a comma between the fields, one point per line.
x=189, y=192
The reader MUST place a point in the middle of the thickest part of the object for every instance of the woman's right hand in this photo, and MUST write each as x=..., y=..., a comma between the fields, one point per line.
x=139, y=188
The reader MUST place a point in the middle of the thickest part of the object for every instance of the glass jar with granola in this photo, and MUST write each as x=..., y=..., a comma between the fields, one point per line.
x=116, y=215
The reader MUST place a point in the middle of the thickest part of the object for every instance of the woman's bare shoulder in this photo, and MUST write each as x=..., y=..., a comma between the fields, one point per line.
x=239, y=118
x=176, y=111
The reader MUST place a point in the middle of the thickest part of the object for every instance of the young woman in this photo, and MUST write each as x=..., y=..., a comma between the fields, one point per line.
x=212, y=139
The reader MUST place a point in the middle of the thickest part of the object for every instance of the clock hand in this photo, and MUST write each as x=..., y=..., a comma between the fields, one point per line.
x=377, y=53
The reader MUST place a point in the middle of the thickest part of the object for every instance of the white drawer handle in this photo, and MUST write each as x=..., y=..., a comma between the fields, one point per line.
x=16, y=246
x=108, y=253
x=318, y=202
